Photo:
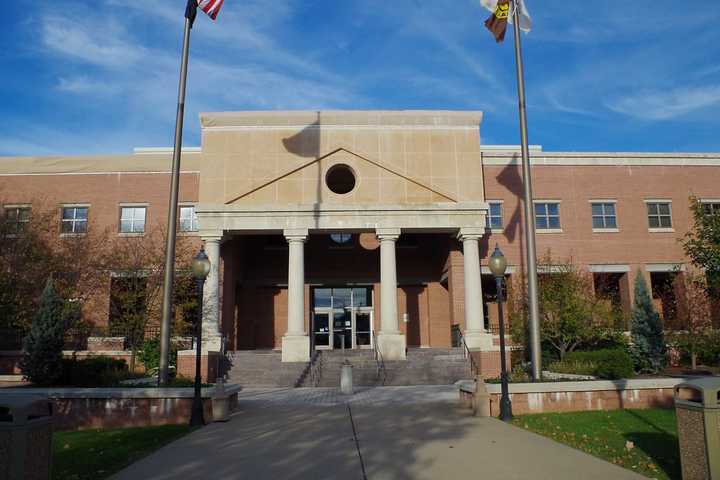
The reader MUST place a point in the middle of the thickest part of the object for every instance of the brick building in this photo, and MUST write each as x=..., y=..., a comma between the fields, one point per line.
x=371, y=230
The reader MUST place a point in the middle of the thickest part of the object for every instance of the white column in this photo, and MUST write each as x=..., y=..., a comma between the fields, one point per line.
x=391, y=342
x=296, y=343
x=476, y=336
x=211, y=298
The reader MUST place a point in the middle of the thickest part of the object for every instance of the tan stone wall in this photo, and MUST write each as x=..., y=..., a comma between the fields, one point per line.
x=415, y=158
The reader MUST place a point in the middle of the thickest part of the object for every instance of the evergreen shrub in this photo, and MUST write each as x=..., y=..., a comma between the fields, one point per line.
x=609, y=364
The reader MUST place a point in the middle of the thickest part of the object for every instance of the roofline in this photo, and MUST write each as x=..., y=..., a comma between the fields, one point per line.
x=647, y=159
x=293, y=119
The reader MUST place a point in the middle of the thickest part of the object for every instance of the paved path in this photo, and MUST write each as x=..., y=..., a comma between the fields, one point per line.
x=380, y=433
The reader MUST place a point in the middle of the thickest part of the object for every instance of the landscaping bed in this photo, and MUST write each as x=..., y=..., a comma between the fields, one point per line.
x=97, y=454
x=644, y=441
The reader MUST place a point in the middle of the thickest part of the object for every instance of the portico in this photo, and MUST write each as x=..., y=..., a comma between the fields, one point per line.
x=380, y=179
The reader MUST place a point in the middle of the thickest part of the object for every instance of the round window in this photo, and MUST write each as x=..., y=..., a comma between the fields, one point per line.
x=340, y=179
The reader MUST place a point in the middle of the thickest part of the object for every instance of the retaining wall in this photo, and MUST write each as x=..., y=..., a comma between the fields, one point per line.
x=547, y=397
x=86, y=408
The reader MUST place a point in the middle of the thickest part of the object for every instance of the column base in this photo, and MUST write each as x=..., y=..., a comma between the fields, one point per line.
x=482, y=341
x=209, y=365
x=211, y=344
x=391, y=346
x=296, y=348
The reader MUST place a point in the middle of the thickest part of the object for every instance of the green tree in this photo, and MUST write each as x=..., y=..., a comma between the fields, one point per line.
x=571, y=315
x=694, y=316
x=43, y=346
x=648, y=340
x=702, y=243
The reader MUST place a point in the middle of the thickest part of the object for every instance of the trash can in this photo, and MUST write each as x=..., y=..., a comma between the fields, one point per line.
x=25, y=437
x=697, y=404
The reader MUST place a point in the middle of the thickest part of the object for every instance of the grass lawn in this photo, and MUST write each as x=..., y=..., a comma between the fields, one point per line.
x=653, y=433
x=97, y=454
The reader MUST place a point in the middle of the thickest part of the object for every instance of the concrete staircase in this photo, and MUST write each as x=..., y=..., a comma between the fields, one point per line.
x=424, y=366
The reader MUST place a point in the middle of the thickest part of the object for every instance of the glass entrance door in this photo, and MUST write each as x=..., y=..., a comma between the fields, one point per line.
x=342, y=318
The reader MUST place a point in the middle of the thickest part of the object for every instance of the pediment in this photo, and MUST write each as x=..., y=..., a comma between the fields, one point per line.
x=301, y=179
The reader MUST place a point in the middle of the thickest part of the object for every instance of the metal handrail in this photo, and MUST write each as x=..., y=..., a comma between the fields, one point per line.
x=315, y=368
x=467, y=354
x=379, y=360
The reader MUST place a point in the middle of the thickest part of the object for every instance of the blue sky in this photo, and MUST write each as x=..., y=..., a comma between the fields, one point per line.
x=100, y=76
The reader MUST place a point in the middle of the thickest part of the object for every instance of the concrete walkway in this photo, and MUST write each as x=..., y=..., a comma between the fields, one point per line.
x=380, y=433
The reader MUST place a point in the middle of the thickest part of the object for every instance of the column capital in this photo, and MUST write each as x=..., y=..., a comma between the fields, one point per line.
x=470, y=233
x=296, y=234
x=387, y=233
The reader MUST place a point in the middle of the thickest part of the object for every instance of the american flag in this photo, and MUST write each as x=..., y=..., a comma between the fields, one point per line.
x=211, y=7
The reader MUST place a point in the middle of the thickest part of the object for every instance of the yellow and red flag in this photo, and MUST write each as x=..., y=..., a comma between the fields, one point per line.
x=502, y=14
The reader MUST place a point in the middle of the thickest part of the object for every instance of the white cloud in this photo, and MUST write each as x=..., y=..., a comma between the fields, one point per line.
x=102, y=44
x=666, y=104
x=84, y=85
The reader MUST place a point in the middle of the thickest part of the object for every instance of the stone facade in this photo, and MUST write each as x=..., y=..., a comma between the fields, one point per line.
x=422, y=186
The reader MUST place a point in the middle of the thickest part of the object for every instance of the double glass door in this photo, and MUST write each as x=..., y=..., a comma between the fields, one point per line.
x=342, y=318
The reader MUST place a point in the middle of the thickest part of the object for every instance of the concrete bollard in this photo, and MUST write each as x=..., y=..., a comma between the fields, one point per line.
x=481, y=399
x=220, y=403
x=346, y=379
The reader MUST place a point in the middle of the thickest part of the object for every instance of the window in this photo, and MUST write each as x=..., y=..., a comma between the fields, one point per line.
x=341, y=238
x=659, y=215
x=340, y=179
x=16, y=218
x=132, y=219
x=711, y=208
x=74, y=220
x=494, y=220
x=603, y=215
x=547, y=215
x=188, y=219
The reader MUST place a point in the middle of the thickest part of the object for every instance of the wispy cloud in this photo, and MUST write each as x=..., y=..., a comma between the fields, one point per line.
x=85, y=85
x=71, y=38
x=667, y=104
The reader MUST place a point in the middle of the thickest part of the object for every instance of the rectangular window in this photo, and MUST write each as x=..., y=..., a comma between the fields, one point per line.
x=188, y=219
x=603, y=215
x=74, y=220
x=16, y=218
x=659, y=215
x=132, y=219
x=711, y=208
x=494, y=220
x=547, y=215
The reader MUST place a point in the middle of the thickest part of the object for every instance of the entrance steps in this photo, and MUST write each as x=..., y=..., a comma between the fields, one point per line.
x=424, y=366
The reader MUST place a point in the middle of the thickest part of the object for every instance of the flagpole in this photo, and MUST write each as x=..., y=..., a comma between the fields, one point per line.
x=534, y=310
x=163, y=376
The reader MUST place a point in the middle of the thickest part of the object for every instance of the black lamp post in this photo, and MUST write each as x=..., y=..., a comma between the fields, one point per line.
x=200, y=269
x=498, y=265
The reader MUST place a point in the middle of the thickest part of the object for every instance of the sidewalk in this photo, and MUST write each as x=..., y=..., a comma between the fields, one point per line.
x=382, y=433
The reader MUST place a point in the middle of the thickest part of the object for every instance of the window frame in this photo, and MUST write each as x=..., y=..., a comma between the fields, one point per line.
x=17, y=207
x=74, y=221
x=713, y=203
x=659, y=228
x=548, y=229
x=194, y=222
x=132, y=232
x=490, y=216
x=604, y=202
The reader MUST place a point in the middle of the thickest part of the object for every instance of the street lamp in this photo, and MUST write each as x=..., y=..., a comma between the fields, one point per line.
x=200, y=270
x=498, y=265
